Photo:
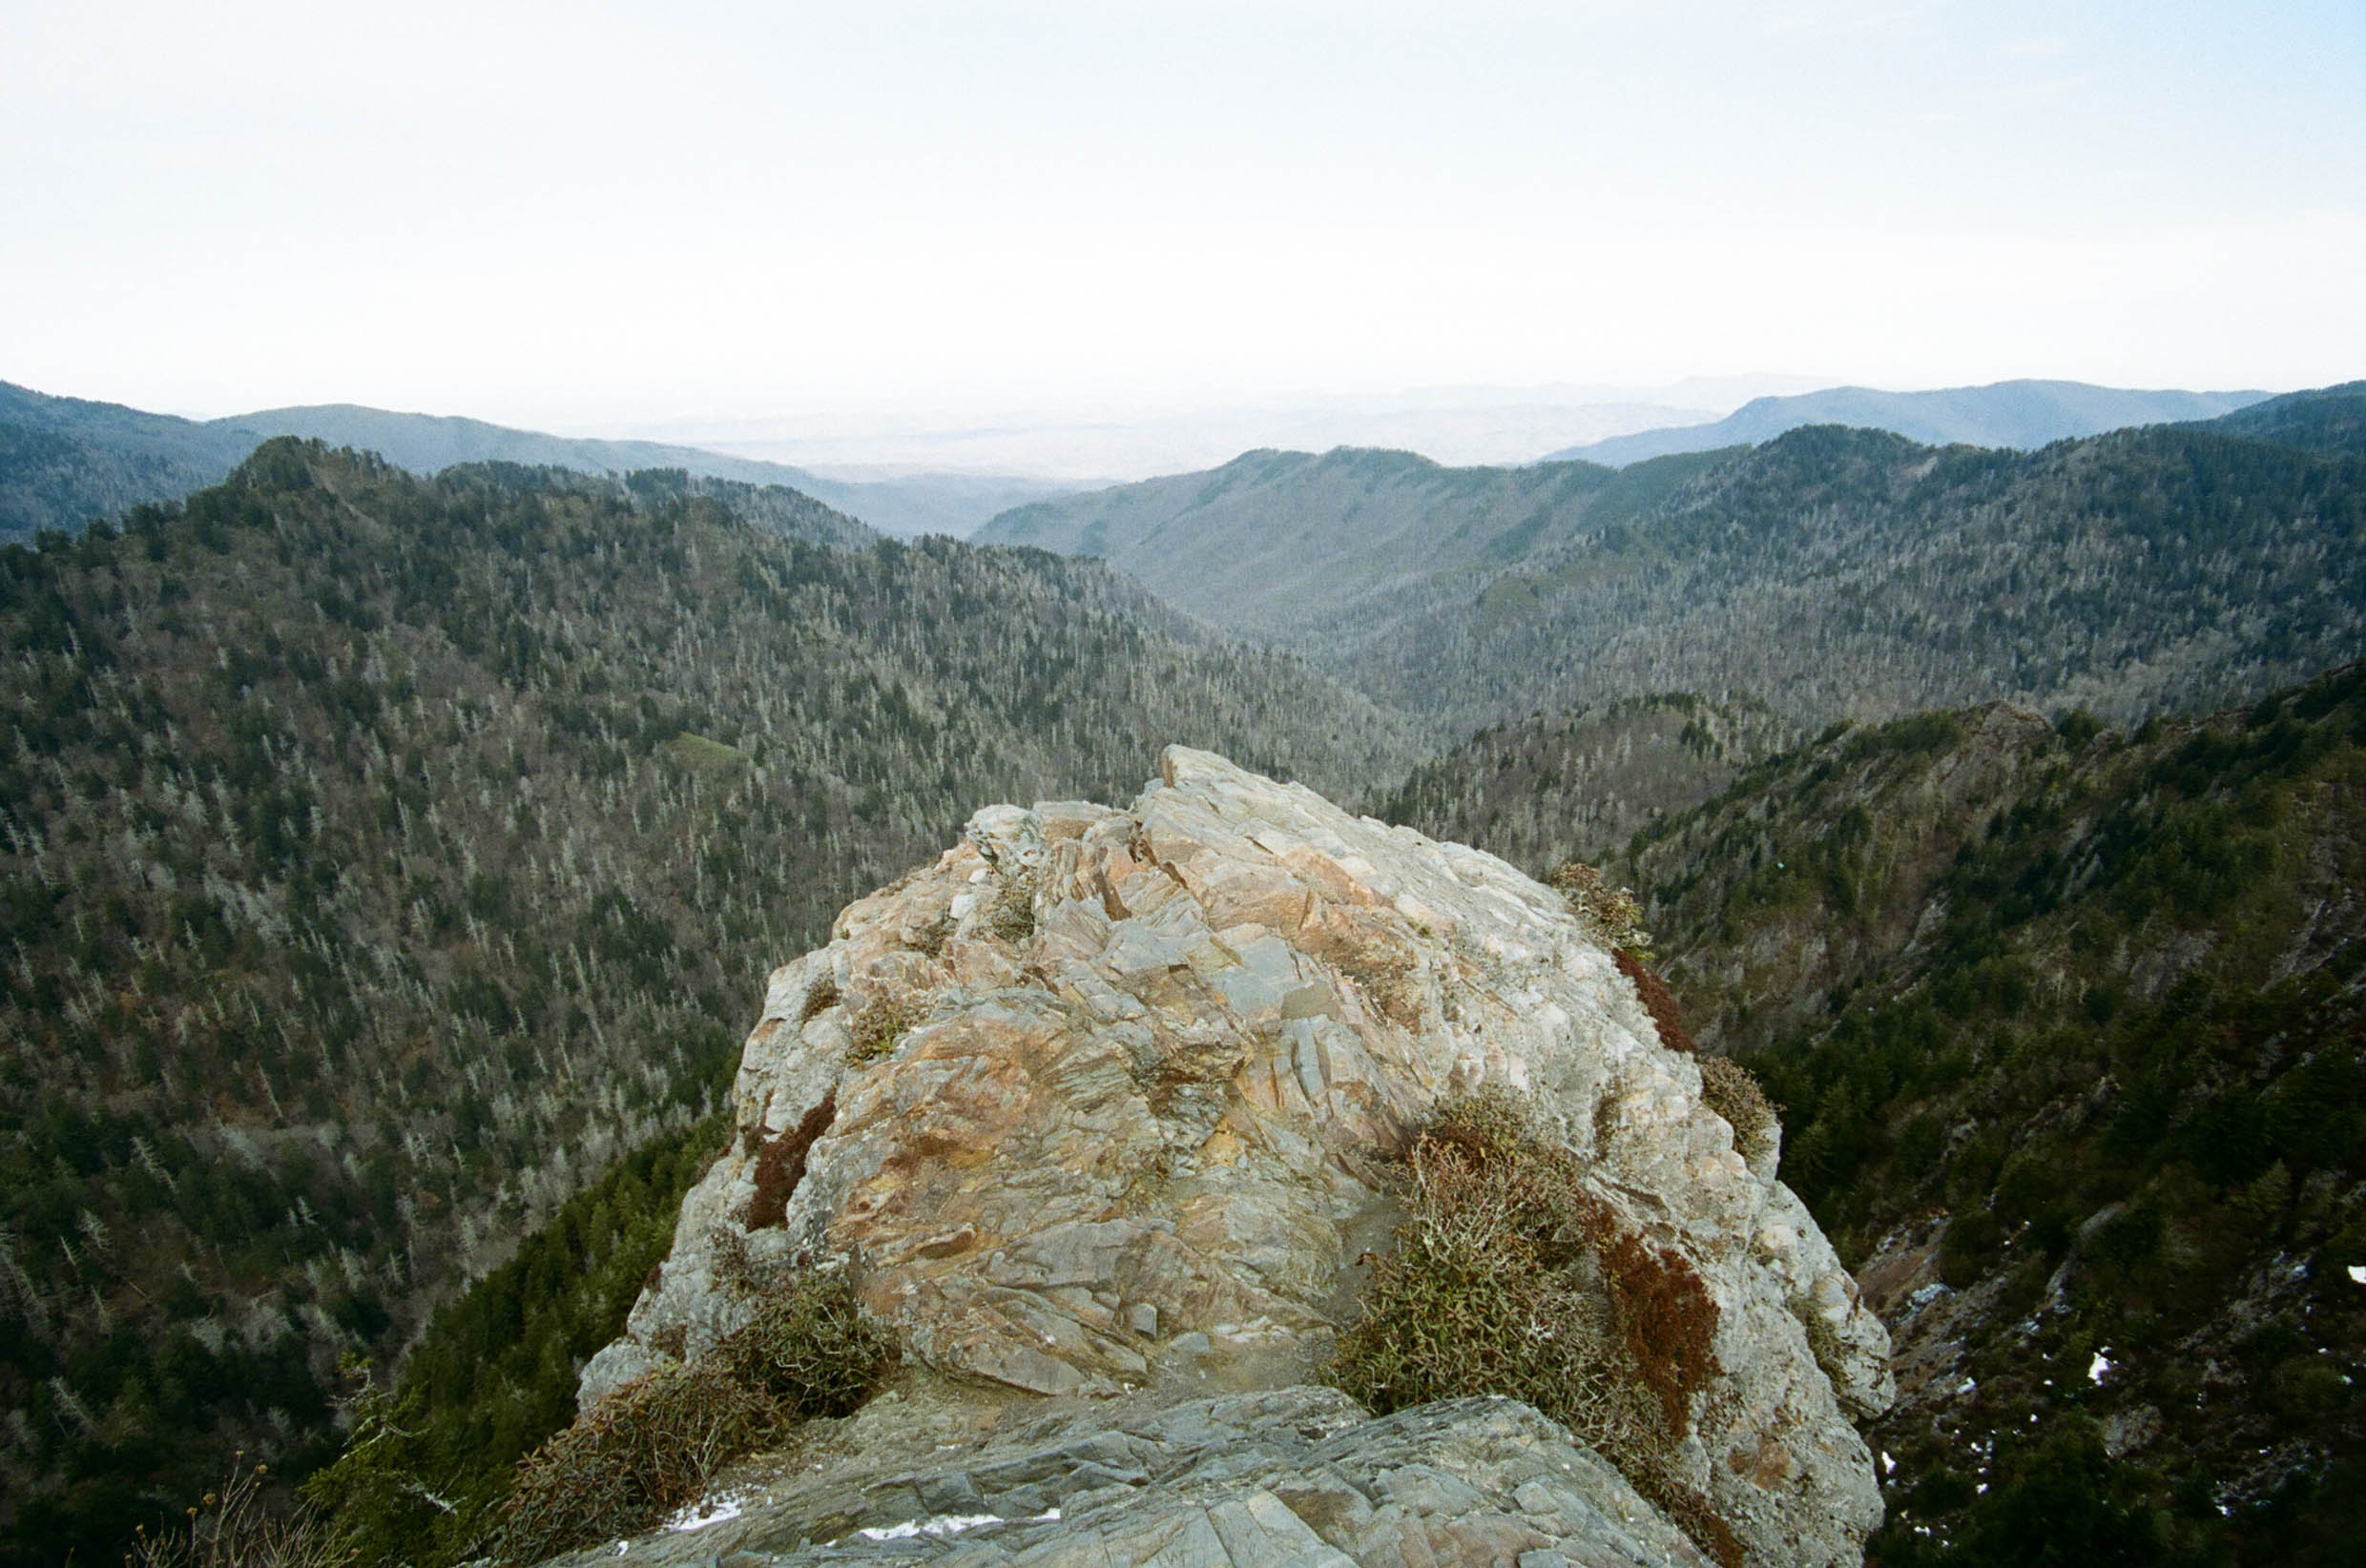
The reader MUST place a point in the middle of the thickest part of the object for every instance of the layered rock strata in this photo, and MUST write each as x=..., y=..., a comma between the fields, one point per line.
x=1103, y=1097
x=1294, y=1478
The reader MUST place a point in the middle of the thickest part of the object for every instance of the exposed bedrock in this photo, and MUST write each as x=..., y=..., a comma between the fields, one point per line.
x=1106, y=1100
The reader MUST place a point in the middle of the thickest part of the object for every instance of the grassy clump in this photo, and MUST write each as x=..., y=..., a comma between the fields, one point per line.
x=1510, y=1278
x=655, y=1444
x=878, y=1026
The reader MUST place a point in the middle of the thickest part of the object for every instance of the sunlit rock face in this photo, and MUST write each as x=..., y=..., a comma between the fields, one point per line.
x=1107, y=1099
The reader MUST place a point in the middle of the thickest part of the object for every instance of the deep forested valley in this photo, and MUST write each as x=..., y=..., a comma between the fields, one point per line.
x=389, y=867
x=1830, y=573
x=384, y=858
x=2069, y=1027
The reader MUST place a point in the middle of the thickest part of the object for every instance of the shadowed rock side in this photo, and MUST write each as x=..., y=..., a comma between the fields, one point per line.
x=1103, y=1101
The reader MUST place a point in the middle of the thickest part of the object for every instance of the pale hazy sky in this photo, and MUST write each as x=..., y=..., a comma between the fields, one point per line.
x=570, y=214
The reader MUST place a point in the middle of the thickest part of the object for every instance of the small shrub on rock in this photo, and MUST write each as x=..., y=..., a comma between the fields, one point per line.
x=1510, y=1278
x=1013, y=917
x=1659, y=1001
x=878, y=1026
x=656, y=1443
x=629, y=1460
x=1733, y=1092
x=1613, y=913
x=811, y=1350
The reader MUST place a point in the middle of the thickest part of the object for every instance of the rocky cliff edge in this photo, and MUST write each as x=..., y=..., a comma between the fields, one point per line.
x=1104, y=1103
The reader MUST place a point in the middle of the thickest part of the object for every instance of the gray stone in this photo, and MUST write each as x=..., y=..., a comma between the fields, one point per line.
x=1162, y=1114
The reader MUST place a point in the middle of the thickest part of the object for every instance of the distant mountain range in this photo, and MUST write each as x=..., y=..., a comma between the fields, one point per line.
x=1829, y=572
x=2023, y=414
x=65, y=460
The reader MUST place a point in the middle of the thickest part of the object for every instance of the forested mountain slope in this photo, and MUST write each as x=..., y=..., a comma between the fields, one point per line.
x=2021, y=413
x=2331, y=419
x=2071, y=1033
x=65, y=460
x=1828, y=573
x=381, y=857
x=2070, y=1030
x=1273, y=538
x=1553, y=788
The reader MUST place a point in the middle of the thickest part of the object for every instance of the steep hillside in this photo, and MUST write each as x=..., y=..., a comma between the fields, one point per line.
x=1273, y=539
x=426, y=443
x=384, y=856
x=1830, y=573
x=65, y=460
x=1577, y=786
x=2331, y=419
x=2027, y=414
x=2069, y=1028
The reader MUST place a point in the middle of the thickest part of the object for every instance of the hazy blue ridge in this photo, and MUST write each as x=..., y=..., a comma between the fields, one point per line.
x=66, y=460
x=2021, y=413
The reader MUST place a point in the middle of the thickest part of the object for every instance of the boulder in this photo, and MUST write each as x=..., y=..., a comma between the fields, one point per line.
x=1106, y=1100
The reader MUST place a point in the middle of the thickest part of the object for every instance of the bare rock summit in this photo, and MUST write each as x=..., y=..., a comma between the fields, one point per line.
x=1105, y=1103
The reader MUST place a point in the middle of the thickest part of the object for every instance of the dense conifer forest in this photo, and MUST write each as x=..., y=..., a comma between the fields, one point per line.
x=2065, y=1022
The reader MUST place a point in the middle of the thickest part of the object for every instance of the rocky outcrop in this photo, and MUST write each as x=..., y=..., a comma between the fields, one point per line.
x=1294, y=1478
x=1104, y=1101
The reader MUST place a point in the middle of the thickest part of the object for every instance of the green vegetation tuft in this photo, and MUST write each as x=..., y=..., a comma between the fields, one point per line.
x=878, y=1024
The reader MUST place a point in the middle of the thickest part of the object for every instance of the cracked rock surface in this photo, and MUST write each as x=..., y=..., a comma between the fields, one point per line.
x=1102, y=1104
x=1290, y=1476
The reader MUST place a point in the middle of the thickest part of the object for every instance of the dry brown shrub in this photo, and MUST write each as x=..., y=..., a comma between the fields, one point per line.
x=1510, y=1278
x=629, y=1460
x=819, y=997
x=780, y=1164
x=1613, y=913
x=876, y=1028
x=656, y=1443
x=235, y=1527
x=1658, y=1002
x=1733, y=1092
x=1012, y=917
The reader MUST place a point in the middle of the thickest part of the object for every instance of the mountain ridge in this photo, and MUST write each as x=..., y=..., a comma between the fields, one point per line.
x=2024, y=414
x=64, y=461
x=1830, y=572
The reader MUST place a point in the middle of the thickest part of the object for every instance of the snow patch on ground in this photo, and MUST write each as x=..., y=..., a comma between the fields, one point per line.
x=706, y=1511
x=949, y=1524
